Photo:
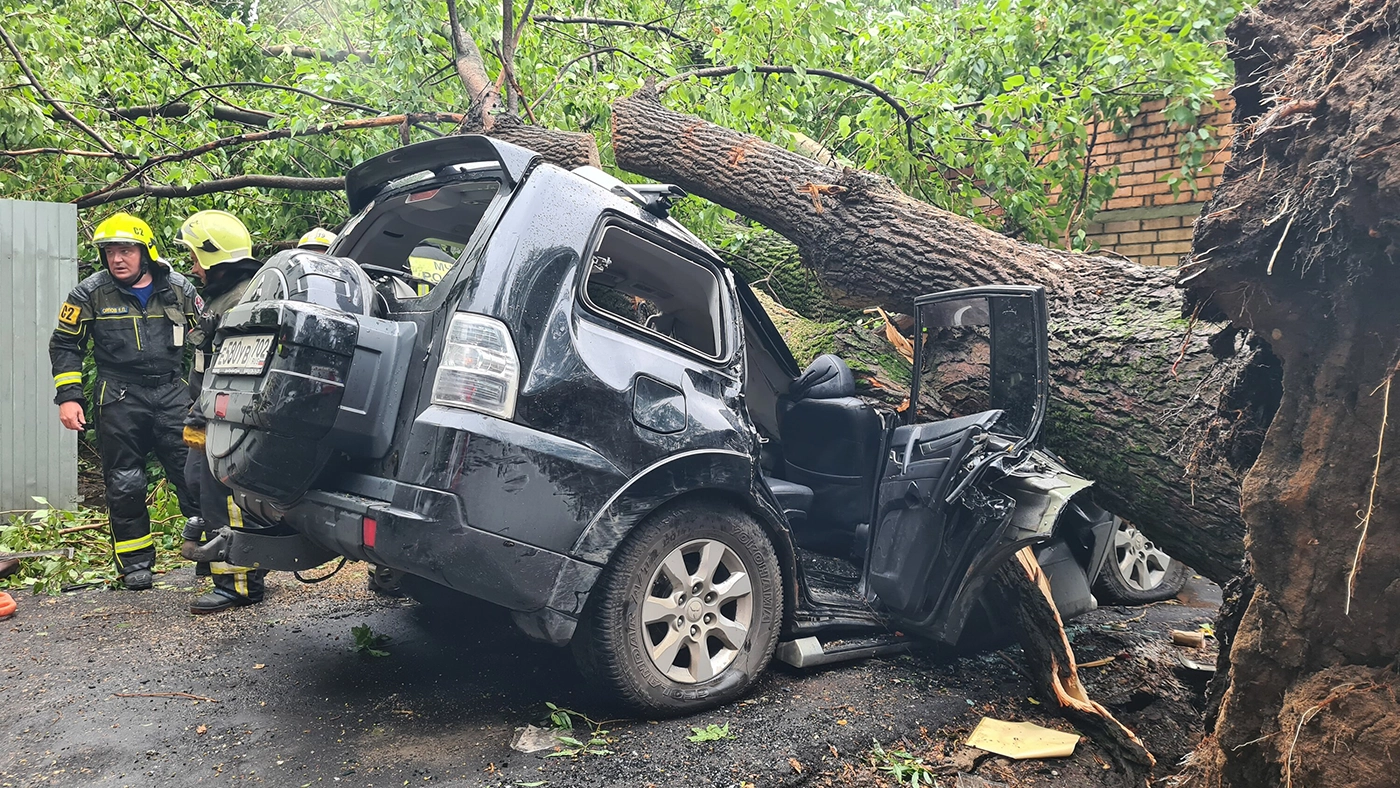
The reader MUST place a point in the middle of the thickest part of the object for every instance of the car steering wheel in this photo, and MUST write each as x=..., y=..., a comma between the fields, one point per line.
x=404, y=275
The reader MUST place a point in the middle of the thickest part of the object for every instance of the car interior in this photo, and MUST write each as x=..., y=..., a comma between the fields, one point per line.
x=428, y=224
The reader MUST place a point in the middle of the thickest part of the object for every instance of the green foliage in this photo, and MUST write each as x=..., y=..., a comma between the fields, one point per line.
x=367, y=641
x=711, y=732
x=996, y=99
x=89, y=539
x=904, y=767
x=562, y=719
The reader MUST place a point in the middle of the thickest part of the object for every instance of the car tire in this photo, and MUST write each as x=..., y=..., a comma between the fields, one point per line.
x=1136, y=572
x=708, y=580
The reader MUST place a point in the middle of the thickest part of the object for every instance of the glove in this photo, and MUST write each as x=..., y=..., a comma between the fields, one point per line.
x=194, y=437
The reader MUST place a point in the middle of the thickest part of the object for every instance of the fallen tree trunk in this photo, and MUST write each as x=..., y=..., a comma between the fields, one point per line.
x=1162, y=410
x=1301, y=244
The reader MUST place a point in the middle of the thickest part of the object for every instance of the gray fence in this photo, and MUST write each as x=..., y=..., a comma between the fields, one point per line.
x=38, y=254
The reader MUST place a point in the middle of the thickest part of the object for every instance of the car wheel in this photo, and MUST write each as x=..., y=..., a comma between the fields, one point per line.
x=1136, y=572
x=688, y=612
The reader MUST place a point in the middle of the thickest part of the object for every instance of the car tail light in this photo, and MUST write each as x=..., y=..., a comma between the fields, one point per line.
x=479, y=370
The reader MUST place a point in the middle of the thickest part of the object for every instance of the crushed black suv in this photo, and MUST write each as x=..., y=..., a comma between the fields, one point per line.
x=591, y=422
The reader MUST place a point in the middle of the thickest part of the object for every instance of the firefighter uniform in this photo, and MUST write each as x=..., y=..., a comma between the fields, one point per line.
x=140, y=397
x=222, y=254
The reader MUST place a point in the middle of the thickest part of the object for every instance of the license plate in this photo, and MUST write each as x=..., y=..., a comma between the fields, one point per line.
x=243, y=355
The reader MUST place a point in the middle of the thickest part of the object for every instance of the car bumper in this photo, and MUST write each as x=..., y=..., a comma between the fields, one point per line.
x=422, y=531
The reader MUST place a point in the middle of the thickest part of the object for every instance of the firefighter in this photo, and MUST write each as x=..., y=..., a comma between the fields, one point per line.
x=431, y=264
x=317, y=239
x=135, y=312
x=221, y=253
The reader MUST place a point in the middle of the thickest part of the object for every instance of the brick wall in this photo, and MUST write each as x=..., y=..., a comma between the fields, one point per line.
x=1144, y=221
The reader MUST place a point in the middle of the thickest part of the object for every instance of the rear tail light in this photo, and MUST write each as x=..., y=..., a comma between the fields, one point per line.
x=479, y=370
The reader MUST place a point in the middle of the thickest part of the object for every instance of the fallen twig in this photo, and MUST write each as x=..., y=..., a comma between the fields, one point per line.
x=77, y=528
x=184, y=695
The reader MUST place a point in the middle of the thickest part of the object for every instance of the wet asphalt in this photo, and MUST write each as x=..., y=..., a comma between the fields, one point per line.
x=118, y=688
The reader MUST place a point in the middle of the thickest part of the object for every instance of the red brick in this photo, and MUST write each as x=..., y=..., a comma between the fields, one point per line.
x=1121, y=202
x=1122, y=227
x=1169, y=199
x=1164, y=223
x=1138, y=238
x=1179, y=234
x=1133, y=250
x=1134, y=179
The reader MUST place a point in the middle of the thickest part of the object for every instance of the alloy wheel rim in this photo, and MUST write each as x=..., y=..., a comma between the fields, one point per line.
x=697, y=611
x=1140, y=564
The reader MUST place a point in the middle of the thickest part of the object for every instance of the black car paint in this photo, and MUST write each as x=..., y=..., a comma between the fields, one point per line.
x=525, y=513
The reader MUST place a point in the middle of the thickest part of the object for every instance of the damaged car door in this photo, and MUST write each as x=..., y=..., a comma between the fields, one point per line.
x=964, y=485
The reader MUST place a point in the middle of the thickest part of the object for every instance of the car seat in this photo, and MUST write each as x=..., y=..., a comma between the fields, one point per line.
x=831, y=443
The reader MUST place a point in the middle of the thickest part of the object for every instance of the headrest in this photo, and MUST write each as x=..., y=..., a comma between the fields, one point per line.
x=827, y=377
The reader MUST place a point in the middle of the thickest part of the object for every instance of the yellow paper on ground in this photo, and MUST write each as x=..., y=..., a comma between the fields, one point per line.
x=1021, y=740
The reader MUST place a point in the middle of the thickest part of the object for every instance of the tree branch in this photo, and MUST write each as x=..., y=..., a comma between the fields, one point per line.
x=220, y=185
x=92, y=154
x=57, y=106
x=275, y=86
x=724, y=71
x=471, y=69
x=183, y=20
x=580, y=20
x=324, y=55
x=96, y=197
x=558, y=78
x=172, y=31
x=180, y=109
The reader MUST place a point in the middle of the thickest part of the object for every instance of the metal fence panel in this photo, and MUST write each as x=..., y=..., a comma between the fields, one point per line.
x=38, y=267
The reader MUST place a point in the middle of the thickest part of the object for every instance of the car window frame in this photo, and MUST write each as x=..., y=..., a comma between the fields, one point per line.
x=728, y=343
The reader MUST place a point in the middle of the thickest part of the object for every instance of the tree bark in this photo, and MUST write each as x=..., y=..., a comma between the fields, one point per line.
x=1162, y=410
x=1301, y=244
x=1056, y=674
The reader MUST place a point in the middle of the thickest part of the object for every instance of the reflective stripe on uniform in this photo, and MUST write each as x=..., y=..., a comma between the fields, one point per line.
x=239, y=574
x=132, y=545
x=235, y=515
x=67, y=379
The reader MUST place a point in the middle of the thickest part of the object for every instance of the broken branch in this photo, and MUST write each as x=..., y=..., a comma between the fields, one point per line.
x=222, y=185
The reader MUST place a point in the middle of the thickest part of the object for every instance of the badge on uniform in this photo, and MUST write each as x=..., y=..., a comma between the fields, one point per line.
x=69, y=314
x=179, y=335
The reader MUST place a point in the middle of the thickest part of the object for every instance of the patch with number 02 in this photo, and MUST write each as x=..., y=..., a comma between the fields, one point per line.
x=68, y=314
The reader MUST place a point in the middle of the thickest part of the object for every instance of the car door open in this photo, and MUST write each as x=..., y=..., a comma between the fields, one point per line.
x=978, y=394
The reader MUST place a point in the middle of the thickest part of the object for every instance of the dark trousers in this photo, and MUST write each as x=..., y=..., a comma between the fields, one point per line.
x=133, y=421
x=219, y=510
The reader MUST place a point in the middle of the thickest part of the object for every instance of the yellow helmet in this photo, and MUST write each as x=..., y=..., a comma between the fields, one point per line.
x=317, y=237
x=123, y=228
x=216, y=237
